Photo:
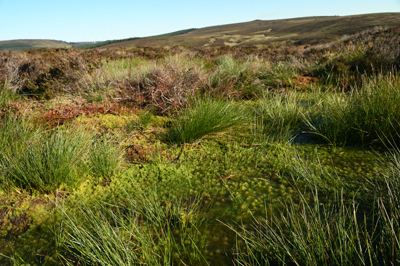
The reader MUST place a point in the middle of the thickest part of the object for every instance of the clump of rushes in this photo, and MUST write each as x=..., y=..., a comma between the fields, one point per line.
x=143, y=230
x=6, y=94
x=46, y=162
x=282, y=75
x=104, y=158
x=235, y=78
x=206, y=117
x=14, y=133
x=279, y=115
x=367, y=116
x=311, y=234
x=386, y=200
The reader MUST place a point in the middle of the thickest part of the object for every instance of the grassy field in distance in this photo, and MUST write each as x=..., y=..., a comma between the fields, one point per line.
x=16, y=45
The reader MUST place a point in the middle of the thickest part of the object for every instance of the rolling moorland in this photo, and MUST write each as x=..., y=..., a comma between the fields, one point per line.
x=300, y=31
x=18, y=45
x=231, y=155
x=308, y=30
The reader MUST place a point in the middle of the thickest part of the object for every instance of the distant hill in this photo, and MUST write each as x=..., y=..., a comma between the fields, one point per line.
x=306, y=30
x=16, y=45
x=111, y=42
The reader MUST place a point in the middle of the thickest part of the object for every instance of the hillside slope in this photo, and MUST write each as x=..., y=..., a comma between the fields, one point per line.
x=16, y=45
x=307, y=30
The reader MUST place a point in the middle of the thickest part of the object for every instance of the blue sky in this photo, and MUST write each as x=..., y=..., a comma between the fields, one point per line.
x=97, y=20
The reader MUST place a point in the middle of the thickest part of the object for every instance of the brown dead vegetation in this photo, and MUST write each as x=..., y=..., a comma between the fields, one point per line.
x=164, y=89
x=137, y=153
x=63, y=113
x=169, y=84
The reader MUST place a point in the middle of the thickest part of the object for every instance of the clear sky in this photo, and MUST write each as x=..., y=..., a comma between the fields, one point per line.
x=98, y=20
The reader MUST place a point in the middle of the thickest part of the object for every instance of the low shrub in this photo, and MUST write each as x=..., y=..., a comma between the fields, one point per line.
x=166, y=87
x=364, y=54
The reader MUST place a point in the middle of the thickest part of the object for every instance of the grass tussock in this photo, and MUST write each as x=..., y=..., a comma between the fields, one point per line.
x=15, y=133
x=46, y=162
x=236, y=79
x=310, y=234
x=279, y=115
x=365, y=117
x=206, y=117
x=105, y=158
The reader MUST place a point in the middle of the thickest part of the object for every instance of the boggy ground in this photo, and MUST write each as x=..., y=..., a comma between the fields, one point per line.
x=230, y=156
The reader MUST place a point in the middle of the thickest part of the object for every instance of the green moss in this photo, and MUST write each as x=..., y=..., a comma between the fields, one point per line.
x=238, y=183
x=106, y=120
x=27, y=229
